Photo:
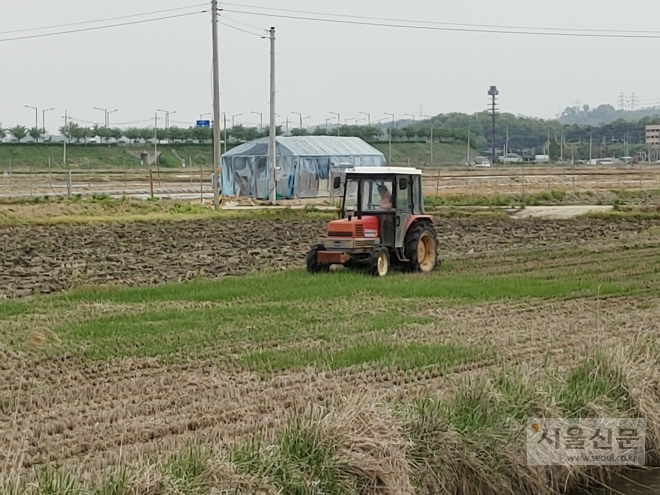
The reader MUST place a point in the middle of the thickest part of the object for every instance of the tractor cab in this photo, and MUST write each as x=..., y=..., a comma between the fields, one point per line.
x=382, y=223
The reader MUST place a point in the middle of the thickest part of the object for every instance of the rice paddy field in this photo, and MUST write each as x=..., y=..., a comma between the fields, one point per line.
x=268, y=380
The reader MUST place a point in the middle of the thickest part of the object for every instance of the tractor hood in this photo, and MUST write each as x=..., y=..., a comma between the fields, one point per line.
x=365, y=227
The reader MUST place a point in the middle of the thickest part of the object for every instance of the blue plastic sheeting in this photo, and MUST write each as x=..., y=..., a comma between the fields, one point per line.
x=305, y=163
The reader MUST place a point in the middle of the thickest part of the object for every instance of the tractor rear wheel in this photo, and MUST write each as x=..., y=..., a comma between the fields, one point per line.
x=313, y=265
x=422, y=248
x=379, y=262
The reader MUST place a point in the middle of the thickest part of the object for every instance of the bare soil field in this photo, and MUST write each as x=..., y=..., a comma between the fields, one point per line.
x=47, y=259
x=195, y=185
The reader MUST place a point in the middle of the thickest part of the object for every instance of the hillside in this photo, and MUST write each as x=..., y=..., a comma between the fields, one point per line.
x=96, y=156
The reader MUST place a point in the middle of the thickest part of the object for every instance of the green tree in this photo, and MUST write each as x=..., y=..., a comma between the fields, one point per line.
x=96, y=131
x=35, y=133
x=201, y=134
x=320, y=131
x=19, y=132
x=86, y=134
x=146, y=134
x=299, y=132
x=77, y=132
x=116, y=133
x=132, y=133
x=104, y=133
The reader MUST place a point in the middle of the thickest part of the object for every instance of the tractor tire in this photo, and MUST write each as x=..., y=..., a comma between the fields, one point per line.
x=379, y=262
x=313, y=265
x=421, y=248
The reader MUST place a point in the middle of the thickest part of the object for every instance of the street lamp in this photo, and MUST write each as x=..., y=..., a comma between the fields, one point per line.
x=410, y=115
x=107, y=123
x=390, y=162
x=338, y=121
x=43, y=118
x=36, y=115
x=167, y=117
x=368, y=117
x=106, y=113
x=359, y=120
x=261, y=121
x=347, y=120
x=232, y=119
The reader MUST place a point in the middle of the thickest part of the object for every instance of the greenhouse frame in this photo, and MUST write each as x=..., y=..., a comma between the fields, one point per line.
x=305, y=165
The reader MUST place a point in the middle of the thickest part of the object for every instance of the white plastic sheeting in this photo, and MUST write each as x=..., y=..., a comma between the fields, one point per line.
x=305, y=164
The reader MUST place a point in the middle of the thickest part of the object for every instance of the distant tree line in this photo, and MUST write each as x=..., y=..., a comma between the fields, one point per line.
x=524, y=135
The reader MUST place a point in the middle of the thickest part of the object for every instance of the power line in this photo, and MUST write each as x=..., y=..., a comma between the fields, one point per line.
x=242, y=23
x=56, y=26
x=494, y=30
x=44, y=35
x=240, y=29
x=440, y=23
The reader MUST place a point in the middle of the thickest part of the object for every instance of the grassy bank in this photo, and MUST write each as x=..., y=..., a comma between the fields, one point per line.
x=97, y=156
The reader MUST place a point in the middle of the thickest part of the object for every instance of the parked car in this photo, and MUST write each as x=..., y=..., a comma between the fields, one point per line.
x=511, y=158
x=482, y=161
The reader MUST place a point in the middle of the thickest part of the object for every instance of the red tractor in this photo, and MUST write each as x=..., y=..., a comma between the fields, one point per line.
x=382, y=223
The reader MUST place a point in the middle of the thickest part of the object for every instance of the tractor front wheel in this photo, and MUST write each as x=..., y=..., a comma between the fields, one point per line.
x=313, y=265
x=379, y=262
x=422, y=248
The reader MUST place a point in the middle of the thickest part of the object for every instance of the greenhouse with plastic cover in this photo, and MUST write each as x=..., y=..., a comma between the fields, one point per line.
x=305, y=164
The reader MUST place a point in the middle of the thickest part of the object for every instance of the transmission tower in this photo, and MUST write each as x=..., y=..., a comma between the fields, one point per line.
x=633, y=100
x=622, y=101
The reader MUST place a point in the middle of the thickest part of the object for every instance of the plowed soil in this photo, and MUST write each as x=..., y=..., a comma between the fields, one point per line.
x=49, y=259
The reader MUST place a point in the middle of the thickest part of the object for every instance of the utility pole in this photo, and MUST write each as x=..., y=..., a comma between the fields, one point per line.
x=217, y=150
x=156, y=144
x=493, y=92
x=224, y=118
x=272, y=151
x=468, y=146
x=66, y=129
x=411, y=115
x=391, y=128
x=429, y=117
x=591, y=146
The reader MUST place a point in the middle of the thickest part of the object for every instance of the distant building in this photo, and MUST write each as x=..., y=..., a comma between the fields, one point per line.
x=653, y=135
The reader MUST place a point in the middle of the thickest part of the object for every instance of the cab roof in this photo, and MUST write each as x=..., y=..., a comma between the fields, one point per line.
x=383, y=171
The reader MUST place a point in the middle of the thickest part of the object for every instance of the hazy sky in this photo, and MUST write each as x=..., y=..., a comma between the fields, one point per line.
x=321, y=67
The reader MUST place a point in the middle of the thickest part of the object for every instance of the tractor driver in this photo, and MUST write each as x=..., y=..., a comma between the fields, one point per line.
x=385, y=196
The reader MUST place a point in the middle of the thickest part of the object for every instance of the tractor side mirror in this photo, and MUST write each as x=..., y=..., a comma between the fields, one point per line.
x=349, y=213
x=403, y=183
x=336, y=183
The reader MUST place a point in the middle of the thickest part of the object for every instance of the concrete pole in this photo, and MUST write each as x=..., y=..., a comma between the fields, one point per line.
x=217, y=150
x=272, y=151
